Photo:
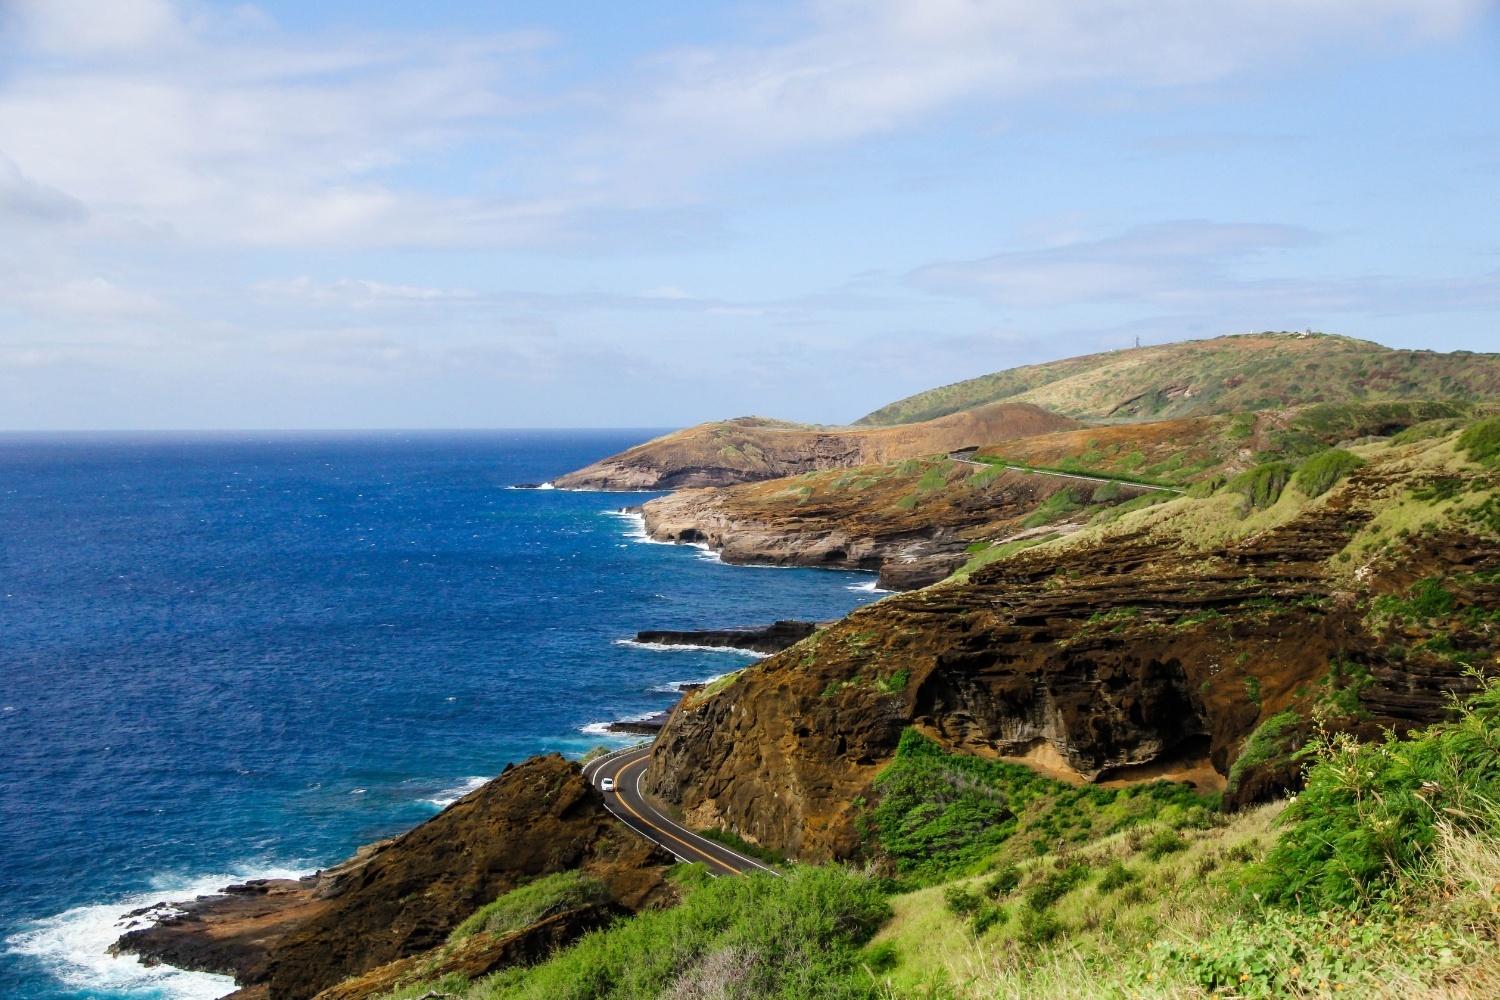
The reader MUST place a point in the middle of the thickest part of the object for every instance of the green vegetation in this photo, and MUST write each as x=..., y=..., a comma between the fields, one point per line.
x=735, y=842
x=1363, y=830
x=1059, y=504
x=1228, y=374
x=942, y=814
x=524, y=906
x=1270, y=741
x=1426, y=430
x=1482, y=441
x=1320, y=472
x=759, y=935
x=1263, y=484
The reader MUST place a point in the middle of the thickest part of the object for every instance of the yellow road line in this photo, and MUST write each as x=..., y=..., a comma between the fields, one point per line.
x=696, y=850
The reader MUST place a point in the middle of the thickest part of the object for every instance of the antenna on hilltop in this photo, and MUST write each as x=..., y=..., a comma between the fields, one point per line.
x=1137, y=340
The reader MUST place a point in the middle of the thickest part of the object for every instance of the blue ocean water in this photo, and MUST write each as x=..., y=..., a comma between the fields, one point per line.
x=230, y=656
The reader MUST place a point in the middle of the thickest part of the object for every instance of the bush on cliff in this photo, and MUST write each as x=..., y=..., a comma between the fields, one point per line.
x=758, y=935
x=1482, y=441
x=1322, y=471
x=1263, y=484
x=524, y=906
x=1362, y=830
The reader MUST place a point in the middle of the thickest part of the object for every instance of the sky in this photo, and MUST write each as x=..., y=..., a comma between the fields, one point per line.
x=463, y=214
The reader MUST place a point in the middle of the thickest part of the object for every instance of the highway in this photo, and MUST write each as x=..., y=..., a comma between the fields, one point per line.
x=630, y=806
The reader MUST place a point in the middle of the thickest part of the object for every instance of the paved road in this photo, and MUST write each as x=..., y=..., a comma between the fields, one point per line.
x=1064, y=475
x=631, y=807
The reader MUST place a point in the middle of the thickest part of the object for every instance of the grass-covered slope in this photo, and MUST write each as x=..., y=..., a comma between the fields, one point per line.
x=1227, y=374
x=1382, y=880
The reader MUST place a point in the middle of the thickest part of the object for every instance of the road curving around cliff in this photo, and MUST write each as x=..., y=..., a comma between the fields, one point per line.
x=631, y=807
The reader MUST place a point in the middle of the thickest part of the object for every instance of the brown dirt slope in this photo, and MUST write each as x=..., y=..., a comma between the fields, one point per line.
x=1226, y=374
x=1154, y=645
x=751, y=449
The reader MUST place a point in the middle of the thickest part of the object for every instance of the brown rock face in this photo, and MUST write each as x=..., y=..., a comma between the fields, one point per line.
x=912, y=522
x=289, y=940
x=751, y=449
x=1152, y=647
x=536, y=818
x=230, y=933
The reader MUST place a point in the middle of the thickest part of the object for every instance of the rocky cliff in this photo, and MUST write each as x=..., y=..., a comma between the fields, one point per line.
x=1162, y=644
x=751, y=449
x=914, y=522
x=402, y=897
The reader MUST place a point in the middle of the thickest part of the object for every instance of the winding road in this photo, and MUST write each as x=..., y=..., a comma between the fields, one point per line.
x=631, y=807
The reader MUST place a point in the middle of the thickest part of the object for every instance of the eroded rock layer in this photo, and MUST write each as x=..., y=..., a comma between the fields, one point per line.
x=1154, y=646
x=914, y=522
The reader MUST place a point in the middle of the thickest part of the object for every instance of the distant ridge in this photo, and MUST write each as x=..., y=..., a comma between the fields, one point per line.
x=1233, y=373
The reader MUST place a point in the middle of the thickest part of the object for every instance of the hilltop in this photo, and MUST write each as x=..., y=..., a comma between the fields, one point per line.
x=1226, y=374
x=750, y=449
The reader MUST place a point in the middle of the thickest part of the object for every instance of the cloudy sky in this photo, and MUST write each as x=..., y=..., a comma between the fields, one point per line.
x=514, y=213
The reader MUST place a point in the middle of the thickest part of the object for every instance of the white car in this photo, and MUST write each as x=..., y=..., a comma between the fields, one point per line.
x=607, y=785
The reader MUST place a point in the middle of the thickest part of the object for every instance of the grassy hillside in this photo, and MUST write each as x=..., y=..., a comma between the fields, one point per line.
x=1249, y=372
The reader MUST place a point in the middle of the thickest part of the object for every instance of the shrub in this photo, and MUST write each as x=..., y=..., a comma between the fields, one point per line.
x=1056, y=885
x=1268, y=742
x=753, y=935
x=735, y=842
x=1207, y=487
x=1323, y=470
x=1163, y=842
x=1107, y=492
x=933, y=816
x=1262, y=485
x=1427, y=430
x=1003, y=882
x=1367, y=818
x=536, y=901
x=1116, y=876
x=1482, y=441
x=960, y=901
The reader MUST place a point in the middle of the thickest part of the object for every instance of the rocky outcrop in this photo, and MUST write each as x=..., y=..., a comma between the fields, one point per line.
x=914, y=522
x=752, y=449
x=229, y=933
x=402, y=897
x=771, y=638
x=1151, y=647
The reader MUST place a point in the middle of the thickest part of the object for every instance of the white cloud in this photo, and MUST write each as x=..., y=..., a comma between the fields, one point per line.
x=23, y=200
x=860, y=67
x=90, y=301
x=89, y=27
x=231, y=131
x=1163, y=264
x=1191, y=265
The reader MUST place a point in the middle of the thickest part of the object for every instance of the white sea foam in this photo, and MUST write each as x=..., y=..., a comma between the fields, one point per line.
x=448, y=796
x=868, y=587
x=602, y=728
x=636, y=531
x=675, y=687
x=74, y=945
x=671, y=647
x=546, y=486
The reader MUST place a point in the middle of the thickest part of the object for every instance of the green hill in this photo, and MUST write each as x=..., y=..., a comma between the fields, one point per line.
x=1226, y=374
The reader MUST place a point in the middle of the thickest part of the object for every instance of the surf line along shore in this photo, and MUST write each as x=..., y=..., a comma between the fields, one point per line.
x=760, y=640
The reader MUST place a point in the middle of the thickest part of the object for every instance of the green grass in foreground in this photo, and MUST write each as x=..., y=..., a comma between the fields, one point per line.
x=1381, y=880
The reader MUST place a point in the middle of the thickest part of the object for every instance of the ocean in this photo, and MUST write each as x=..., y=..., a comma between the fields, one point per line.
x=231, y=656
